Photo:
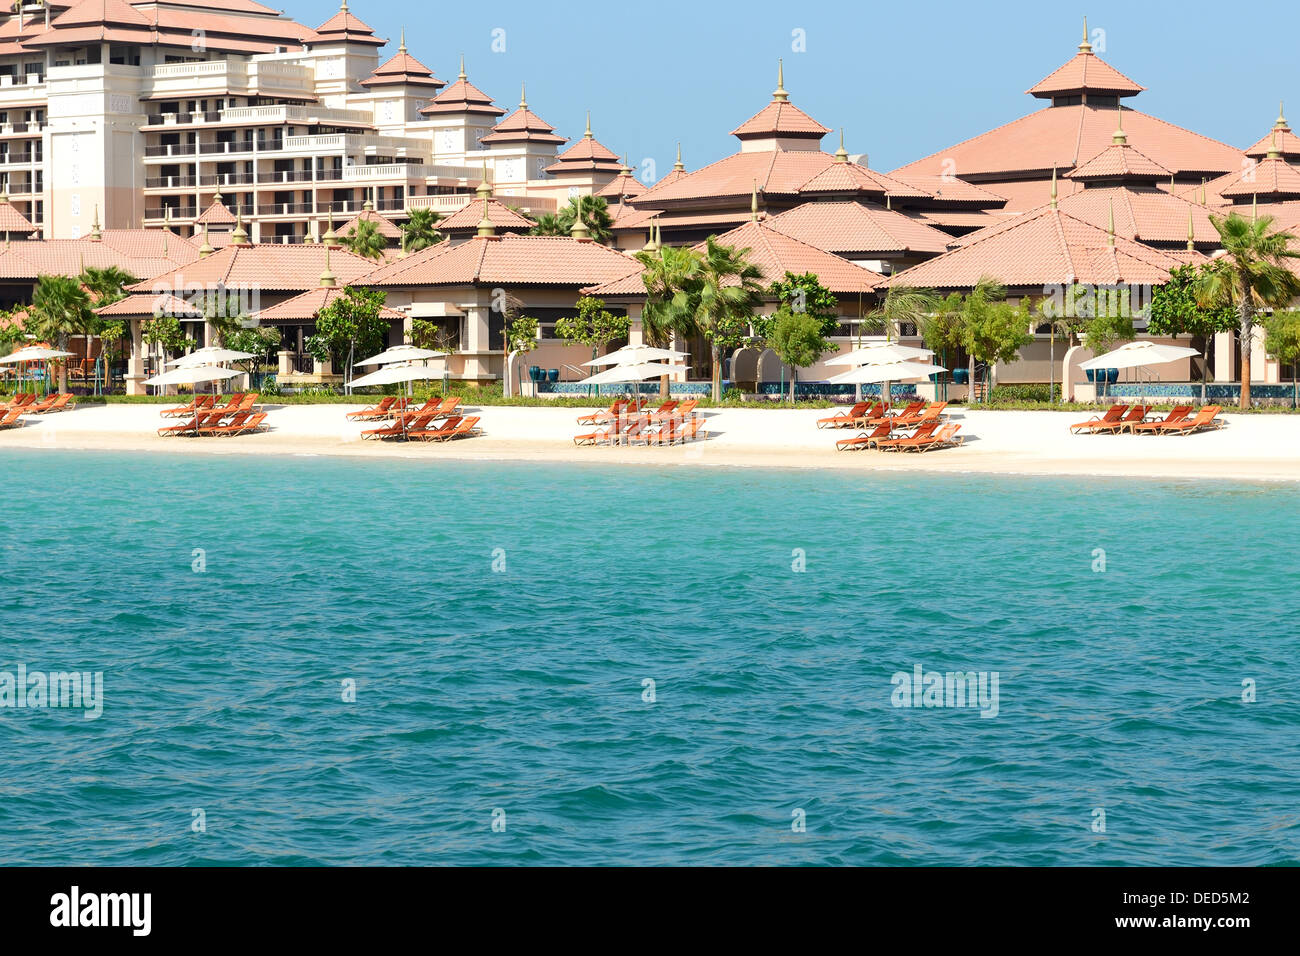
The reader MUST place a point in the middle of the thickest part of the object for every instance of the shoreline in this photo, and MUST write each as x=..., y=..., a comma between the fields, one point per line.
x=1013, y=443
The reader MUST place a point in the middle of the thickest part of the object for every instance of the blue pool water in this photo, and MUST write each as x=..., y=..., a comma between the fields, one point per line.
x=521, y=690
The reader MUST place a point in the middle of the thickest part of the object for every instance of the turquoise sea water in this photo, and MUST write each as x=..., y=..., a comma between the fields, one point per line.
x=521, y=689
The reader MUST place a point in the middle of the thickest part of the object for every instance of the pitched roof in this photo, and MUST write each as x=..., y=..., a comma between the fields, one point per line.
x=11, y=220
x=1064, y=136
x=780, y=118
x=523, y=125
x=216, y=215
x=851, y=227
x=148, y=304
x=1119, y=161
x=306, y=307
x=1269, y=177
x=387, y=228
x=499, y=214
x=462, y=97
x=622, y=185
x=343, y=26
x=1043, y=247
x=1143, y=213
x=586, y=155
x=30, y=258
x=403, y=70
x=950, y=189
x=1280, y=138
x=271, y=267
x=775, y=253
x=852, y=178
x=1085, y=72
x=505, y=260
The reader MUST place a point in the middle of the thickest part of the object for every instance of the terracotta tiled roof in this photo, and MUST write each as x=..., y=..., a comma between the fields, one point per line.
x=1042, y=247
x=142, y=304
x=387, y=228
x=586, y=155
x=624, y=184
x=216, y=215
x=403, y=70
x=231, y=6
x=1142, y=213
x=1085, y=72
x=271, y=267
x=500, y=215
x=850, y=227
x=507, y=261
x=1274, y=178
x=146, y=245
x=954, y=219
x=523, y=125
x=224, y=27
x=344, y=26
x=778, y=172
x=100, y=12
x=29, y=259
x=462, y=97
x=1119, y=161
x=950, y=189
x=12, y=221
x=775, y=253
x=780, y=119
x=1280, y=138
x=1063, y=137
x=306, y=307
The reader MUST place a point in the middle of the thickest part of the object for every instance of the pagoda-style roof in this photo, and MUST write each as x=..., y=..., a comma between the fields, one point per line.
x=12, y=221
x=344, y=27
x=147, y=304
x=387, y=228
x=854, y=228
x=624, y=185
x=587, y=155
x=216, y=215
x=403, y=70
x=523, y=126
x=462, y=97
x=506, y=261
x=1272, y=178
x=309, y=305
x=503, y=218
x=269, y=266
x=1084, y=73
x=1119, y=161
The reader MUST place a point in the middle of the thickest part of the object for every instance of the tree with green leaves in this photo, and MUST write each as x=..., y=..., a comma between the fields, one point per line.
x=798, y=339
x=521, y=334
x=1106, y=330
x=165, y=333
x=1282, y=341
x=1251, y=275
x=730, y=288
x=61, y=308
x=258, y=341
x=993, y=330
x=365, y=240
x=593, y=325
x=420, y=230
x=671, y=279
x=803, y=293
x=352, y=323
x=902, y=305
x=1176, y=310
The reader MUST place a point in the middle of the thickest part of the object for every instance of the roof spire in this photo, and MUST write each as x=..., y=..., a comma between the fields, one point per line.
x=626, y=170
x=240, y=236
x=368, y=205
x=1254, y=207
x=650, y=238
x=779, y=95
x=94, y=225
x=1191, y=230
x=753, y=203
x=587, y=135
x=841, y=154
x=579, y=229
x=206, y=249
x=485, y=226
x=1202, y=190
x=331, y=237
x=461, y=75
x=679, y=165
x=1273, y=151
x=484, y=190
x=343, y=7
x=1119, y=139
x=327, y=280
x=402, y=47
x=523, y=96
x=217, y=197
x=1110, y=227
x=1054, y=187
x=1085, y=46
x=1281, y=118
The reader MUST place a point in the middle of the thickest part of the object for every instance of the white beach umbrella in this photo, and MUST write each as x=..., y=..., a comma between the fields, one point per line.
x=395, y=374
x=885, y=372
x=209, y=355
x=401, y=353
x=620, y=374
x=1138, y=354
x=193, y=375
x=636, y=355
x=33, y=353
x=880, y=352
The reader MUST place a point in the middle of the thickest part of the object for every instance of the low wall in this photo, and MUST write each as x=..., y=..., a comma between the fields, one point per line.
x=1261, y=394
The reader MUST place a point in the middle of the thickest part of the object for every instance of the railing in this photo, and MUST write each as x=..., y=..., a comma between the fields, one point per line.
x=440, y=202
x=226, y=147
x=176, y=212
x=13, y=159
x=170, y=149
x=169, y=182
x=284, y=209
x=226, y=179
x=175, y=119
x=408, y=171
x=8, y=80
x=295, y=114
x=285, y=176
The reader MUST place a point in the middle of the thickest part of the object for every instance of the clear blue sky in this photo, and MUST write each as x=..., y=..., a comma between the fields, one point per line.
x=904, y=79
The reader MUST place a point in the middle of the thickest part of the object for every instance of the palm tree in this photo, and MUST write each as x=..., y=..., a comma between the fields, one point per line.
x=107, y=285
x=548, y=224
x=364, y=239
x=1250, y=275
x=595, y=216
x=419, y=232
x=729, y=289
x=903, y=305
x=671, y=280
x=61, y=308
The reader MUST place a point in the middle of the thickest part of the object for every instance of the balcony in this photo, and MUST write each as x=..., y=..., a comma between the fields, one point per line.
x=172, y=212
x=226, y=179
x=170, y=149
x=406, y=172
x=228, y=76
x=285, y=176
x=285, y=209
x=228, y=148
x=170, y=182
x=180, y=119
x=16, y=159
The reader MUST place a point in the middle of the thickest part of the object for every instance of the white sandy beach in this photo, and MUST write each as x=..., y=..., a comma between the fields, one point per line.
x=1021, y=442
x=1261, y=447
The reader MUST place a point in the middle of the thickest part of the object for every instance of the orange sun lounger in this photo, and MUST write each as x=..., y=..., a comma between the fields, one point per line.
x=932, y=414
x=13, y=418
x=845, y=419
x=880, y=433
x=924, y=431
x=454, y=427
x=1180, y=413
x=1207, y=419
x=945, y=437
x=399, y=428
x=200, y=403
x=374, y=412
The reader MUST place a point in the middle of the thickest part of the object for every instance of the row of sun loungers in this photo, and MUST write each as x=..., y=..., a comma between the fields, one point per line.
x=1137, y=420
x=391, y=408
x=214, y=424
x=421, y=428
x=885, y=432
x=634, y=409
x=238, y=402
x=633, y=422
x=27, y=404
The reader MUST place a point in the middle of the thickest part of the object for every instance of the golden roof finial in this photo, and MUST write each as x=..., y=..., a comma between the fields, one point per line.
x=240, y=236
x=217, y=197
x=1273, y=151
x=649, y=238
x=1110, y=227
x=1254, y=207
x=523, y=96
x=1202, y=190
x=402, y=47
x=579, y=229
x=206, y=249
x=331, y=237
x=1119, y=139
x=679, y=165
x=780, y=95
x=841, y=154
x=1191, y=230
x=626, y=170
x=461, y=75
x=1085, y=46
x=1281, y=122
x=753, y=203
x=327, y=280
x=587, y=135
x=94, y=225
x=485, y=225
x=1053, y=187
x=484, y=190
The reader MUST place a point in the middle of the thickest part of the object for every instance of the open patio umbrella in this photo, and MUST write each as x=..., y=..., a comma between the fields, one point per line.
x=33, y=353
x=209, y=355
x=636, y=355
x=886, y=373
x=193, y=375
x=880, y=352
x=400, y=353
x=621, y=374
x=1138, y=354
x=395, y=374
